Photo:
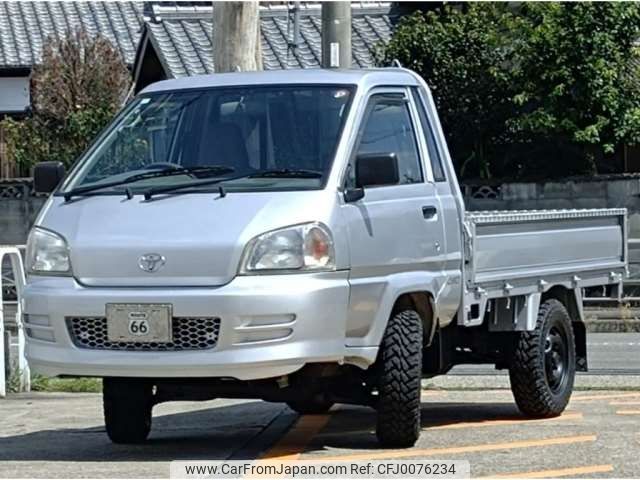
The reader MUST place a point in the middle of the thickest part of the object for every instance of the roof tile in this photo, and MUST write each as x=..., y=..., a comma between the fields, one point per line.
x=25, y=27
x=183, y=43
x=180, y=32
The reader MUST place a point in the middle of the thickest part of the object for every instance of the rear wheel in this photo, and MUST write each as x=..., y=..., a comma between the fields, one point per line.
x=543, y=366
x=400, y=372
x=127, y=409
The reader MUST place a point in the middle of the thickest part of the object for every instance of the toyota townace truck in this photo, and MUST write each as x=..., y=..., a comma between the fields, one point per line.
x=299, y=237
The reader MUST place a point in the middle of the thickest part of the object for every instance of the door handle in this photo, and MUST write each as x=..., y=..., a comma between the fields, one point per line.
x=429, y=212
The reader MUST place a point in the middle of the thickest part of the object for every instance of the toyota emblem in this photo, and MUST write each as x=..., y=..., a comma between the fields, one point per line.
x=151, y=262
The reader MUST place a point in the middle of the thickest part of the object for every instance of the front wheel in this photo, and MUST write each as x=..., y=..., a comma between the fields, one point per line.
x=400, y=372
x=543, y=366
x=127, y=409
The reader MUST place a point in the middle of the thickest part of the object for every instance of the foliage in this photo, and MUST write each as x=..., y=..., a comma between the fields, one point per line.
x=71, y=385
x=579, y=82
x=458, y=53
x=46, y=384
x=75, y=91
x=538, y=90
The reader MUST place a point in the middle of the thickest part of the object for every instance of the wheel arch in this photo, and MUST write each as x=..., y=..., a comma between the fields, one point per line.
x=423, y=303
x=380, y=298
x=572, y=301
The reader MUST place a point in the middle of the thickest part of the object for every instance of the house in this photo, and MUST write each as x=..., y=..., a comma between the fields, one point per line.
x=160, y=40
x=176, y=37
x=26, y=26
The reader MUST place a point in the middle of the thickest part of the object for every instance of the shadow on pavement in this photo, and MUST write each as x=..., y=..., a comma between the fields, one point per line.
x=210, y=434
x=218, y=433
x=354, y=427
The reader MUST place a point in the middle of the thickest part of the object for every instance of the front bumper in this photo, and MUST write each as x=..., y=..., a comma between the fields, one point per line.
x=304, y=317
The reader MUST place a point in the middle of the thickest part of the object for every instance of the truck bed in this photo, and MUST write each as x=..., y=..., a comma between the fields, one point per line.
x=513, y=252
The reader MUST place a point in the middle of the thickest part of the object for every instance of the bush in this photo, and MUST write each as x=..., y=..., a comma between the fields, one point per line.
x=75, y=91
x=46, y=384
x=535, y=91
x=69, y=385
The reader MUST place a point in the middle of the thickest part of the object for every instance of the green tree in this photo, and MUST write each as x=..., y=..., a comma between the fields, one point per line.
x=579, y=81
x=538, y=90
x=76, y=89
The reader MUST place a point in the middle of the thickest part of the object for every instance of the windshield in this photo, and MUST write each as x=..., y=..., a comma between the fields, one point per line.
x=251, y=138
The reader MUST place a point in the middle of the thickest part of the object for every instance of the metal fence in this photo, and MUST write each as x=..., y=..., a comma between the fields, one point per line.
x=12, y=280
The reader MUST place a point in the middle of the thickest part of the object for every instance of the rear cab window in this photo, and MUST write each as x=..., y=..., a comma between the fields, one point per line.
x=430, y=139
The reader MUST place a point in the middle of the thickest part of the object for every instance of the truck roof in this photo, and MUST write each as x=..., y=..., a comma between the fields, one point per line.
x=359, y=77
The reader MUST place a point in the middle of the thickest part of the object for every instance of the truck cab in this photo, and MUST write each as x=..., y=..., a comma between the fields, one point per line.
x=295, y=236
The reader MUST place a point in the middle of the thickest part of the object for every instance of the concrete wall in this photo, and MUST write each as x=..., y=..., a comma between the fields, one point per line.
x=18, y=210
x=606, y=192
x=18, y=207
x=619, y=191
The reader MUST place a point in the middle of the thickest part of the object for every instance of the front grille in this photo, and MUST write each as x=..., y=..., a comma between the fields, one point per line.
x=189, y=333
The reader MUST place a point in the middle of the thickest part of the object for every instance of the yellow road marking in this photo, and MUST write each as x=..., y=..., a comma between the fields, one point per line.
x=605, y=397
x=624, y=403
x=295, y=441
x=455, y=450
x=433, y=393
x=628, y=412
x=560, y=472
x=504, y=421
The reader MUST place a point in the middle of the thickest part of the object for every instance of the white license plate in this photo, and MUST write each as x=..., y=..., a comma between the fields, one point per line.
x=143, y=323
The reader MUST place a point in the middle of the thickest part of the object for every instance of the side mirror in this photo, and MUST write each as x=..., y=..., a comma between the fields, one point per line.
x=376, y=169
x=47, y=176
x=373, y=169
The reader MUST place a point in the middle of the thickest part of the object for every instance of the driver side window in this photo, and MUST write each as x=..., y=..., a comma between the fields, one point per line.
x=388, y=128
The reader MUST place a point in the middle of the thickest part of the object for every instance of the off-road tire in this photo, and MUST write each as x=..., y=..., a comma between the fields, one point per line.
x=400, y=371
x=127, y=409
x=534, y=393
x=310, y=407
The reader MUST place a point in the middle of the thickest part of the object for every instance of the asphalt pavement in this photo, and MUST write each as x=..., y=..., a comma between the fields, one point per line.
x=607, y=354
x=61, y=435
x=469, y=415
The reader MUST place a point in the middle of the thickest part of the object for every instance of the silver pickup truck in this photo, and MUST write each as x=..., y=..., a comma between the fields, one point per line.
x=299, y=237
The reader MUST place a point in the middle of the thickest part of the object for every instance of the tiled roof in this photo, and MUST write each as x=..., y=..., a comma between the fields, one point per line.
x=181, y=36
x=25, y=27
x=180, y=32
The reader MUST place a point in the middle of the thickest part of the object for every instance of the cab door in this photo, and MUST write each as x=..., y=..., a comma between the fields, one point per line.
x=396, y=231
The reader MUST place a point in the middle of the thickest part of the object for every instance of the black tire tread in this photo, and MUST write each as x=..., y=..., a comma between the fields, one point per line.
x=400, y=360
x=127, y=410
x=526, y=373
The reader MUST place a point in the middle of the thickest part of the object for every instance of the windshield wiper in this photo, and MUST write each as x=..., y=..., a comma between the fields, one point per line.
x=275, y=173
x=169, y=172
x=286, y=173
x=181, y=186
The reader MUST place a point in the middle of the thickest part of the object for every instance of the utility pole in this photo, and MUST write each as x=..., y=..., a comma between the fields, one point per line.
x=336, y=34
x=236, y=36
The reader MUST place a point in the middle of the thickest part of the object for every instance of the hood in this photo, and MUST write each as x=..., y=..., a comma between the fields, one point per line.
x=181, y=240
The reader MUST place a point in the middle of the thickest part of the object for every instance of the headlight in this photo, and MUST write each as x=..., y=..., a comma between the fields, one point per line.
x=307, y=247
x=47, y=253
